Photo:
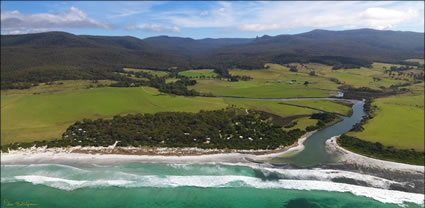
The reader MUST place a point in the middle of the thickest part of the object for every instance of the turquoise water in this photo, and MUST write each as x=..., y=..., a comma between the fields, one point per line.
x=174, y=185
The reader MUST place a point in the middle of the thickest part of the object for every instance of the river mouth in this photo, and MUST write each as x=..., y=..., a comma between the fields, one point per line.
x=314, y=152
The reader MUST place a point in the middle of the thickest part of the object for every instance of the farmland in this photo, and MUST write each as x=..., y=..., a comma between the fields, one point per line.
x=398, y=122
x=200, y=73
x=153, y=72
x=45, y=111
x=29, y=117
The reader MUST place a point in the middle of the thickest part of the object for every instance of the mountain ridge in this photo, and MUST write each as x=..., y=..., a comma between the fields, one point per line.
x=21, y=52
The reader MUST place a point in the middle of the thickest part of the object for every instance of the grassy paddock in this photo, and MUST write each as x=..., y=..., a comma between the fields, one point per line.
x=58, y=86
x=260, y=89
x=421, y=61
x=28, y=117
x=157, y=73
x=303, y=123
x=46, y=116
x=198, y=73
x=324, y=105
x=398, y=122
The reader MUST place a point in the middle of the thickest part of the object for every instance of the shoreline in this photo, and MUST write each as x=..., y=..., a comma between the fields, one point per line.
x=113, y=154
x=346, y=156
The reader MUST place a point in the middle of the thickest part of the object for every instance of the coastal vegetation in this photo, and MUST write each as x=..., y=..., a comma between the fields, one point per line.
x=231, y=128
x=380, y=151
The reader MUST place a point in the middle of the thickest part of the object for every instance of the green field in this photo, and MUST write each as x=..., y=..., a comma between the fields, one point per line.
x=278, y=82
x=303, y=123
x=324, y=105
x=398, y=122
x=28, y=117
x=46, y=116
x=59, y=86
x=156, y=73
x=421, y=61
x=275, y=82
x=207, y=73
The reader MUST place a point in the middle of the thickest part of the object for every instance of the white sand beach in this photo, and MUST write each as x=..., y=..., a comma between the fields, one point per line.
x=354, y=158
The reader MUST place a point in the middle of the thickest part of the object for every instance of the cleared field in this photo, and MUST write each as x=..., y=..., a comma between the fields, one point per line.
x=303, y=123
x=399, y=122
x=276, y=81
x=198, y=73
x=260, y=89
x=46, y=116
x=157, y=73
x=324, y=105
x=28, y=117
x=59, y=86
x=270, y=107
x=421, y=61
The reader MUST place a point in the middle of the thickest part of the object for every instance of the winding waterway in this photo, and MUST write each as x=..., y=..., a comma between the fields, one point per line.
x=314, y=152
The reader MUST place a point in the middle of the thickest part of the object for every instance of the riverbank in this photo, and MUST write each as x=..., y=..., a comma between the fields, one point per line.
x=346, y=156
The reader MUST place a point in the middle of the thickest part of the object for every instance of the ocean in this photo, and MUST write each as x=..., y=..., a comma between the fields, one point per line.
x=153, y=185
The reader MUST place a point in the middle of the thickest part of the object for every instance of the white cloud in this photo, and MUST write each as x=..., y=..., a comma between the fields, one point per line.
x=73, y=18
x=25, y=31
x=382, y=18
x=266, y=16
x=154, y=28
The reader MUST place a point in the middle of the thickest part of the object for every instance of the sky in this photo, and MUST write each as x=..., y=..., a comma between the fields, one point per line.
x=207, y=19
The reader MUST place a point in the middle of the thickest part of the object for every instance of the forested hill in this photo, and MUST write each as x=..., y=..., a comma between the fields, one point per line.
x=363, y=44
x=61, y=50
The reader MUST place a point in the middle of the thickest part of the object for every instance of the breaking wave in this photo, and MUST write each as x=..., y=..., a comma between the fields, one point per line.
x=206, y=176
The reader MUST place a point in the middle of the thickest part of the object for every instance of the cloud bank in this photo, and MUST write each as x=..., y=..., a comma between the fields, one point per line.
x=15, y=22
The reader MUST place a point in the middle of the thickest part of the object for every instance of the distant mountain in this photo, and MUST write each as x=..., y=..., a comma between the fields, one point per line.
x=365, y=44
x=191, y=47
x=21, y=52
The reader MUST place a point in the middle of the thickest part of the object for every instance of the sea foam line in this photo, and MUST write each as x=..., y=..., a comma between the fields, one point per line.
x=382, y=195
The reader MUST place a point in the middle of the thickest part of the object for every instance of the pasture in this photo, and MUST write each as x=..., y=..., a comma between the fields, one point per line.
x=324, y=105
x=28, y=117
x=46, y=116
x=398, y=122
x=199, y=73
x=153, y=72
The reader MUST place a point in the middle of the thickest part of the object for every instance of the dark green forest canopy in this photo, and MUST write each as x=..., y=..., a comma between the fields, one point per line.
x=229, y=128
x=34, y=58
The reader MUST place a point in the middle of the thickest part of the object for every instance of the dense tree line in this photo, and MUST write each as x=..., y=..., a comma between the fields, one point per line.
x=178, y=87
x=24, y=79
x=227, y=128
x=380, y=151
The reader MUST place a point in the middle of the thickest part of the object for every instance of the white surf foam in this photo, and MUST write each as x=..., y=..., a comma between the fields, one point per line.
x=382, y=195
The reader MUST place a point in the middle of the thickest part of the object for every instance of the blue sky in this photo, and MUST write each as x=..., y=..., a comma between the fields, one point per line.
x=198, y=19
